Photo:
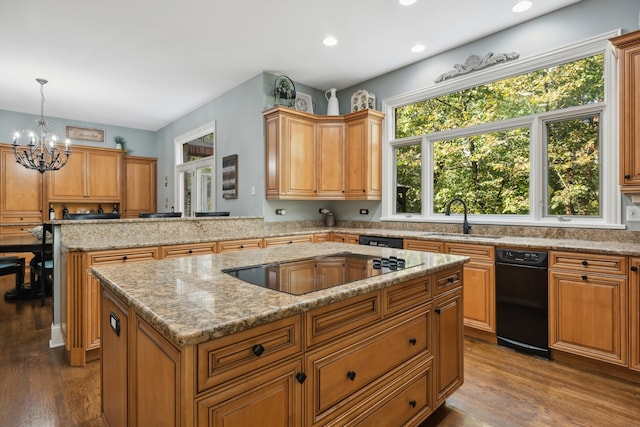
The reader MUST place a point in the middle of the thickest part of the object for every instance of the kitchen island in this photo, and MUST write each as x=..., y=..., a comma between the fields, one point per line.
x=184, y=343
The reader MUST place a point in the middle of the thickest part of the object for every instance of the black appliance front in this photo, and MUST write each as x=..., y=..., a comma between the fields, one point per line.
x=522, y=311
x=383, y=242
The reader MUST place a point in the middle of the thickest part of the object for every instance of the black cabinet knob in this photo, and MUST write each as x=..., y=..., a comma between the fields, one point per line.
x=634, y=268
x=437, y=310
x=351, y=375
x=124, y=258
x=300, y=376
x=413, y=341
x=450, y=279
x=585, y=262
x=584, y=277
x=241, y=246
x=627, y=177
x=413, y=403
x=258, y=349
x=190, y=251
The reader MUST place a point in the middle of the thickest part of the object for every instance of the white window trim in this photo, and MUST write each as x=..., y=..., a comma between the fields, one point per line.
x=611, y=200
x=180, y=166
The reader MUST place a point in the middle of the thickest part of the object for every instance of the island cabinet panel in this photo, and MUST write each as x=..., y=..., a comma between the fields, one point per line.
x=287, y=240
x=239, y=245
x=271, y=397
x=479, y=288
x=448, y=346
x=175, y=251
x=634, y=312
x=83, y=298
x=247, y=352
x=346, y=372
x=90, y=174
x=411, y=294
x=628, y=49
x=20, y=190
x=588, y=306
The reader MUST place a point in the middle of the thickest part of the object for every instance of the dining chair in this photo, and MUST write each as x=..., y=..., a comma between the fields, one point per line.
x=42, y=269
x=13, y=265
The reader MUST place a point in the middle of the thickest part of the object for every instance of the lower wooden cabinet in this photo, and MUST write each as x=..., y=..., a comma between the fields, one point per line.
x=344, y=238
x=634, y=312
x=448, y=344
x=288, y=240
x=588, y=306
x=239, y=245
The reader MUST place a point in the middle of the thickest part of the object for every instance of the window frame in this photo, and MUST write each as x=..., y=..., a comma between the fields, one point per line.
x=609, y=147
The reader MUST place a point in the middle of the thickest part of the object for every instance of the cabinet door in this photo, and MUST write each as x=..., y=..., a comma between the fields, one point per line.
x=330, y=160
x=140, y=186
x=634, y=305
x=271, y=397
x=68, y=183
x=103, y=175
x=479, y=296
x=114, y=354
x=588, y=315
x=364, y=158
x=298, y=158
x=448, y=348
x=20, y=190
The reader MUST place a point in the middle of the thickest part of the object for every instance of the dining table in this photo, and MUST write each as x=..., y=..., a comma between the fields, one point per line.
x=21, y=244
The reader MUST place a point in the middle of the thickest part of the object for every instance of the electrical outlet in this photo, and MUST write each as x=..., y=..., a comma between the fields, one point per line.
x=281, y=212
x=633, y=213
x=364, y=211
x=253, y=190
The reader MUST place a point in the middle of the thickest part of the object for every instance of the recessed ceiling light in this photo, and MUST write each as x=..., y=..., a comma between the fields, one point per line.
x=418, y=48
x=407, y=2
x=521, y=6
x=330, y=41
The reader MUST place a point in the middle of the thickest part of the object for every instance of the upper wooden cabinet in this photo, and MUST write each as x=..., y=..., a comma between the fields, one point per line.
x=20, y=190
x=628, y=50
x=90, y=174
x=140, y=186
x=323, y=157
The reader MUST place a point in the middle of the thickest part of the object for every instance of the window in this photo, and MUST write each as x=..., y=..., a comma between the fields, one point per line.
x=195, y=163
x=532, y=143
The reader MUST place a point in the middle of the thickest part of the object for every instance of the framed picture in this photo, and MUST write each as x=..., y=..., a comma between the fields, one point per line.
x=304, y=102
x=85, y=134
x=230, y=177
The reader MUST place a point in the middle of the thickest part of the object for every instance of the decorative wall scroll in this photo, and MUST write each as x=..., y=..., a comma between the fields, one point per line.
x=230, y=177
x=474, y=63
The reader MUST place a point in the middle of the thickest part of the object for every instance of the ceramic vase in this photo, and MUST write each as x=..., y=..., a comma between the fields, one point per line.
x=332, y=106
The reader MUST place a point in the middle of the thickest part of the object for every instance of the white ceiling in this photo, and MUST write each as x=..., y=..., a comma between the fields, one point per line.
x=145, y=63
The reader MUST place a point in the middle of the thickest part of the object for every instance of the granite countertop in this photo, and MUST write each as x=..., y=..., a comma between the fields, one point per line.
x=190, y=300
x=587, y=246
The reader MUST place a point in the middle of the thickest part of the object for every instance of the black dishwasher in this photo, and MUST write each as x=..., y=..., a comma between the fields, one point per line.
x=522, y=301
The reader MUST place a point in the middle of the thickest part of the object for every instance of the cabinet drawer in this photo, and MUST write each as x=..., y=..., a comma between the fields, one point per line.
x=238, y=245
x=595, y=263
x=175, y=251
x=342, y=318
x=446, y=281
x=287, y=240
x=423, y=245
x=125, y=255
x=406, y=295
x=248, y=351
x=337, y=371
x=475, y=252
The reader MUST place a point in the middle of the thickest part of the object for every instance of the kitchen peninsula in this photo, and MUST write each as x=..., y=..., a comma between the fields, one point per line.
x=184, y=341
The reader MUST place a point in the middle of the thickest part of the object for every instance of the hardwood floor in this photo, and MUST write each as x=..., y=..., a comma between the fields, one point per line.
x=502, y=388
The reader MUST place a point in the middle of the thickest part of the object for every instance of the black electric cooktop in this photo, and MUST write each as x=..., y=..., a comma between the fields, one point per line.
x=306, y=275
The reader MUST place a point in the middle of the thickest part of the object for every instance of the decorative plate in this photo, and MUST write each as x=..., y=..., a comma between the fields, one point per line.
x=304, y=102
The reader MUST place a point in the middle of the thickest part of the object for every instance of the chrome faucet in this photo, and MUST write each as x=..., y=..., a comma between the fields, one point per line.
x=465, y=224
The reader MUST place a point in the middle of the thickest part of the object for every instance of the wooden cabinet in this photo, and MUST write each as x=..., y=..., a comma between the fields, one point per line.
x=91, y=174
x=20, y=190
x=139, y=187
x=628, y=50
x=287, y=240
x=448, y=344
x=323, y=157
x=239, y=245
x=82, y=328
x=175, y=251
x=634, y=312
x=423, y=245
x=479, y=288
x=588, y=305
x=344, y=238
x=363, y=154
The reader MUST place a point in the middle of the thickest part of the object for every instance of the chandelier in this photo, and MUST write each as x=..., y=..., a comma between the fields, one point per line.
x=42, y=152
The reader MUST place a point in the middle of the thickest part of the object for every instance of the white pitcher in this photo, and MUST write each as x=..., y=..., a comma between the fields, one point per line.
x=332, y=106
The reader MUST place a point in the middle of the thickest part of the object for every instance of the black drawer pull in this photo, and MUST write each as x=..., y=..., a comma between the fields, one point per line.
x=413, y=341
x=258, y=349
x=437, y=310
x=124, y=258
x=351, y=375
x=190, y=251
x=584, y=277
x=627, y=177
x=634, y=268
x=450, y=279
x=241, y=246
x=584, y=262
x=301, y=376
x=413, y=403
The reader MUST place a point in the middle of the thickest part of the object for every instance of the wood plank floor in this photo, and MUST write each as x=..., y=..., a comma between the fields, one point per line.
x=502, y=388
